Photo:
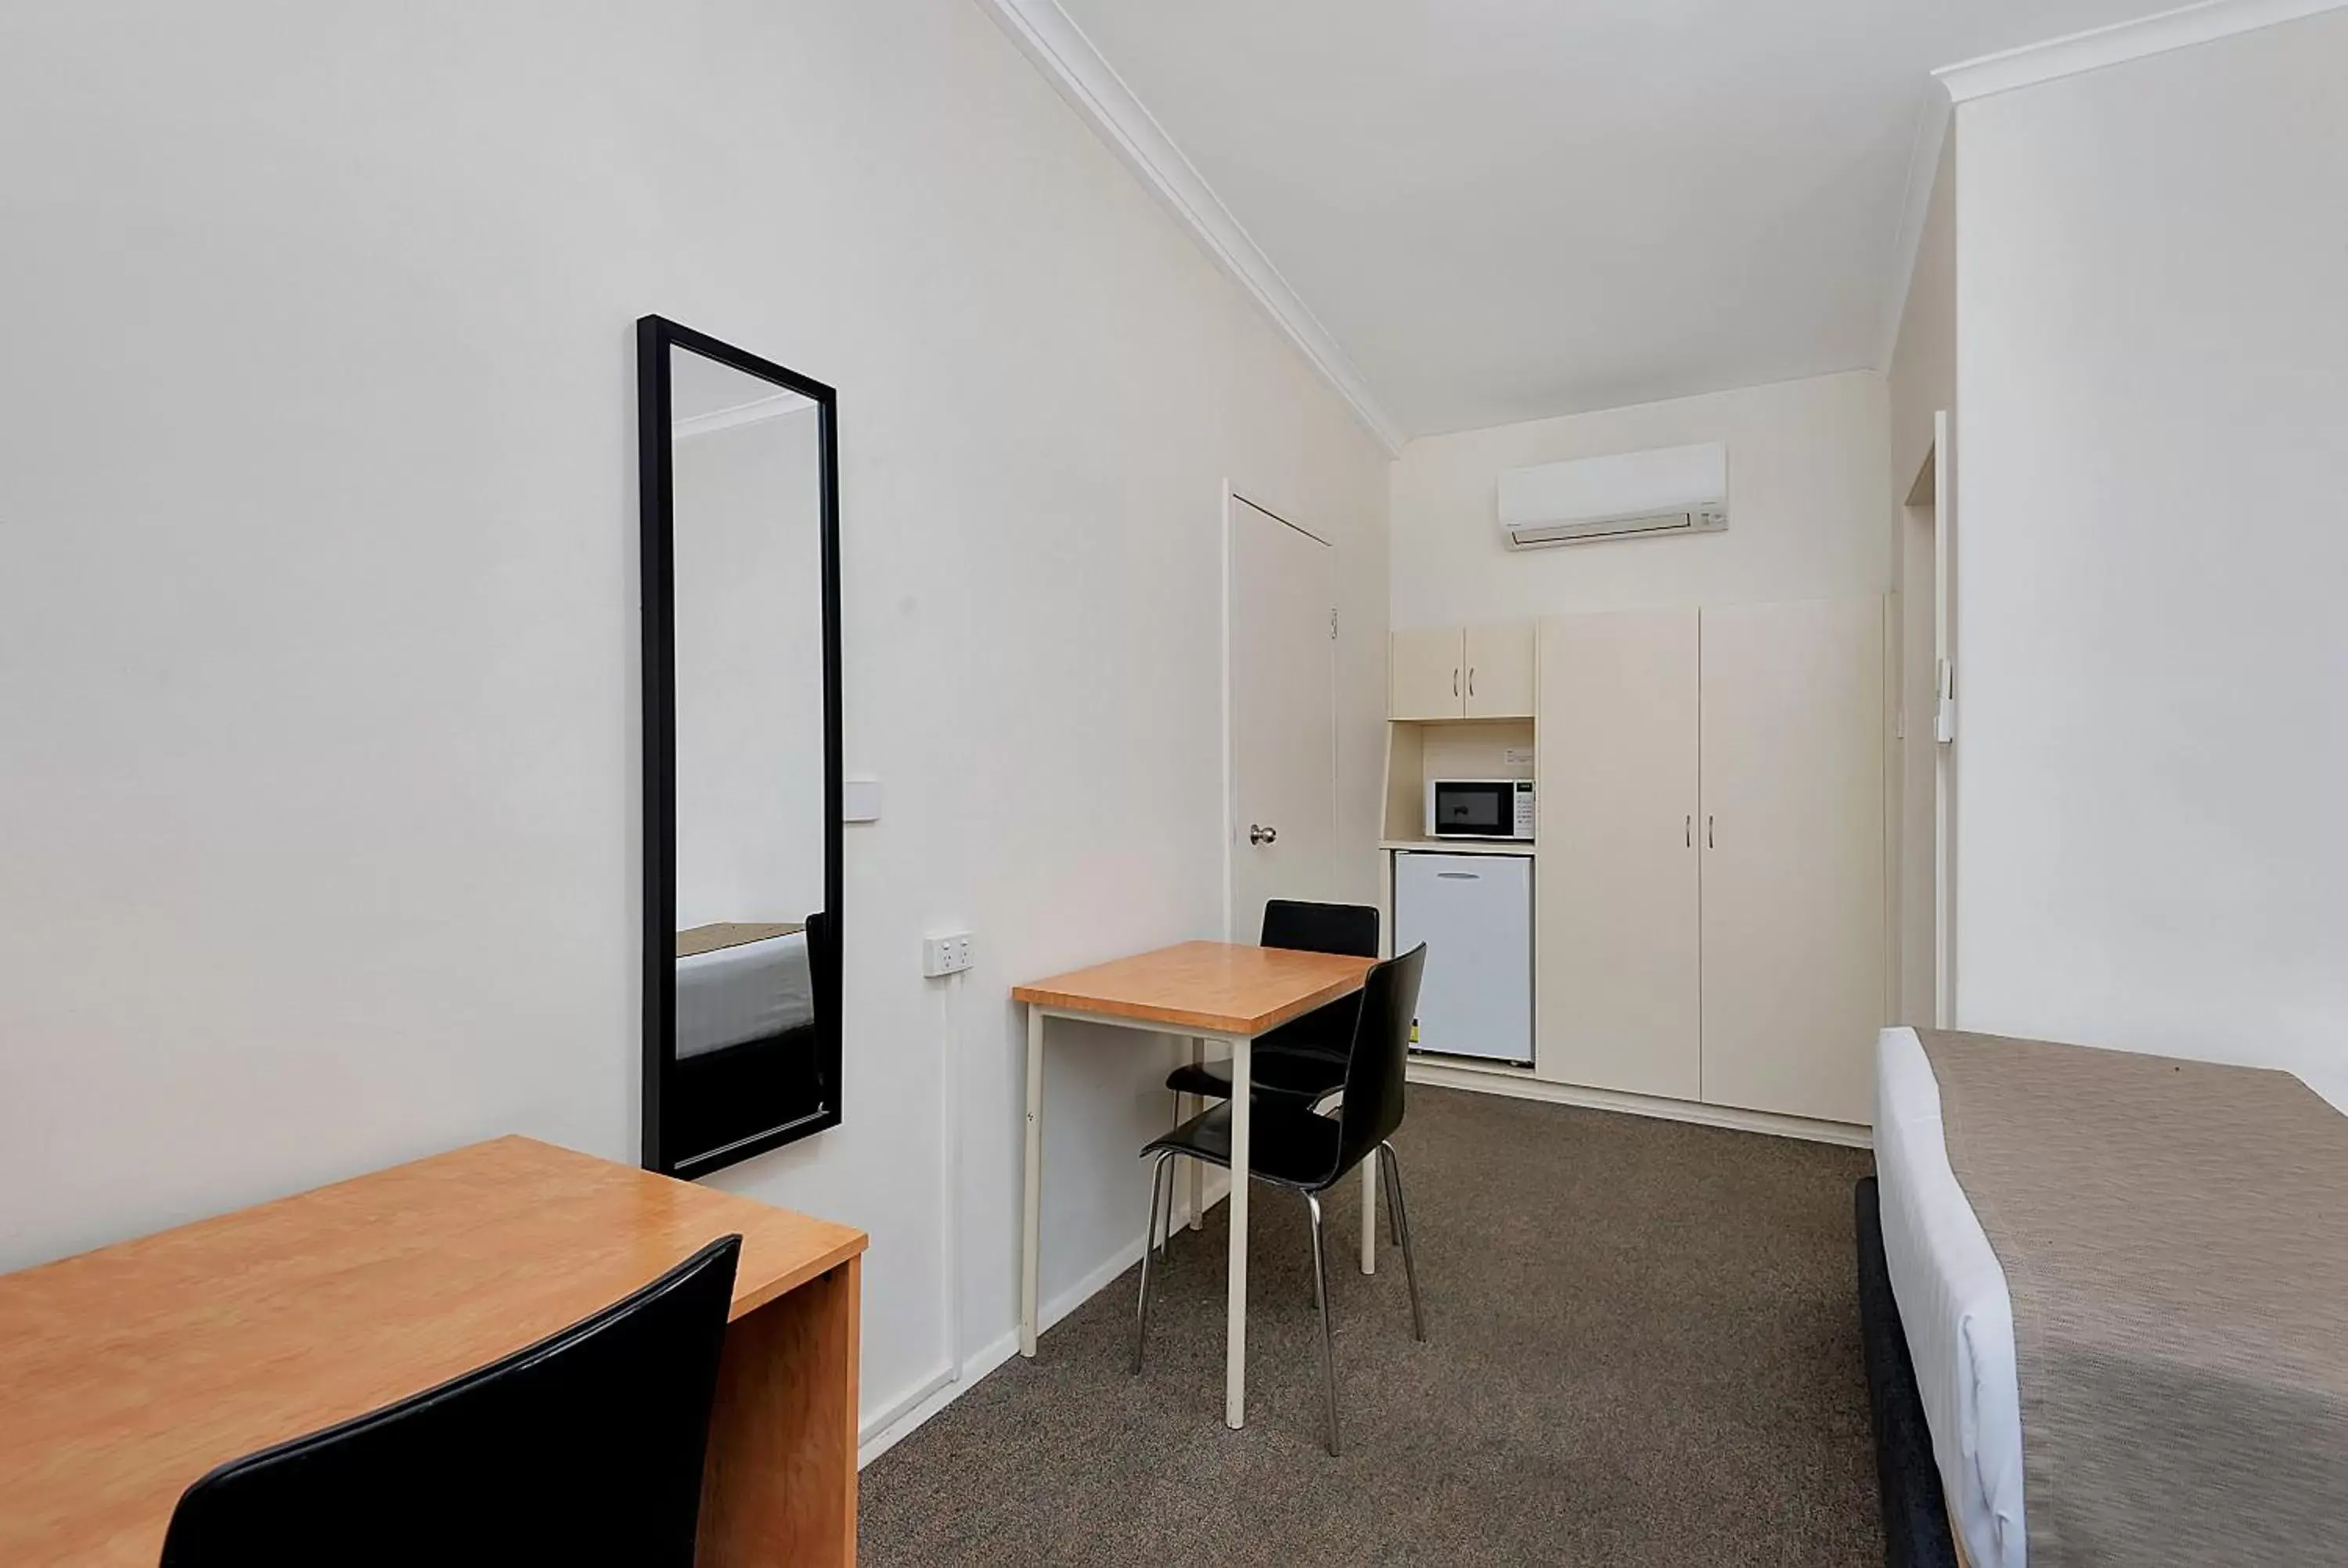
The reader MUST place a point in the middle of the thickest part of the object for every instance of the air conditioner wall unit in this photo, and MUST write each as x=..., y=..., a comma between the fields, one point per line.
x=1633, y=495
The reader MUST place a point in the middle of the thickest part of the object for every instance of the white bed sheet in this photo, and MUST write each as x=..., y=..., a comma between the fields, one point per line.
x=748, y=992
x=1954, y=1304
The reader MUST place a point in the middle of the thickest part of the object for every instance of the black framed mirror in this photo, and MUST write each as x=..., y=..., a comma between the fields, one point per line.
x=739, y=472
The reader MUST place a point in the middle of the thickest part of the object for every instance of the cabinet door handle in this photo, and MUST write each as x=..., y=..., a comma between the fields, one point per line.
x=1471, y=680
x=1707, y=831
x=1454, y=682
x=1688, y=830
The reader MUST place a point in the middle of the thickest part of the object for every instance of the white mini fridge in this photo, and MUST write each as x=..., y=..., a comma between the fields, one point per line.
x=1475, y=913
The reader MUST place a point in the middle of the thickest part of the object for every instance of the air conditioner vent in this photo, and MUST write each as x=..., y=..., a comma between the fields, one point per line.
x=1633, y=495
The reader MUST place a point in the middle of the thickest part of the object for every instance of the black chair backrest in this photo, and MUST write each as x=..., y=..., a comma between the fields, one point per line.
x=586, y=1446
x=1374, y=1073
x=1348, y=928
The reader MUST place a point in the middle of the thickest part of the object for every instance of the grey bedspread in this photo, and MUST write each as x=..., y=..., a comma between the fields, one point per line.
x=2175, y=1239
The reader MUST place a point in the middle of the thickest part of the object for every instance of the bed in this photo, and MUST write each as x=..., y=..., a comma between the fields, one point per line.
x=746, y=1009
x=1954, y=1307
x=743, y=991
x=2181, y=1322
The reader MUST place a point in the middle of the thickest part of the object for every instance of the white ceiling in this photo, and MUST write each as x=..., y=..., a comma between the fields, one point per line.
x=1508, y=208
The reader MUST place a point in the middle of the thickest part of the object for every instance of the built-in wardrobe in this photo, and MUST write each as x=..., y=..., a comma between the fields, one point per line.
x=1710, y=906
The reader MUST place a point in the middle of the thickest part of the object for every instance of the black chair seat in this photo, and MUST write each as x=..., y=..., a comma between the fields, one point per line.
x=1298, y=1074
x=1305, y=1057
x=1287, y=1144
x=1328, y=1029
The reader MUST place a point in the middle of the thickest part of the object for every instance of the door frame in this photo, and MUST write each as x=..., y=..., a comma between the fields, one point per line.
x=1944, y=781
x=1930, y=494
x=1233, y=498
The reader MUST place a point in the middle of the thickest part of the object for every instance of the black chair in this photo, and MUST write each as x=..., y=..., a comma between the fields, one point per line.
x=1305, y=1056
x=586, y=1446
x=1292, y=1146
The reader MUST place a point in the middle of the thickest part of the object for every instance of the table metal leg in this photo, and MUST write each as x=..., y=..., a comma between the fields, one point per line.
x=1235, y=1346
x=1031, y=1223
x=1369, y=1216
x=1198, y=1168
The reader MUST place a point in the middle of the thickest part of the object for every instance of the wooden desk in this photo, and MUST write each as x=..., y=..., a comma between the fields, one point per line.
x=129, y=1371
x=1209, y=991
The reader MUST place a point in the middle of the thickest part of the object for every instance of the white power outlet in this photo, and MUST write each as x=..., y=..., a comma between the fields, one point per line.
x=946, y=955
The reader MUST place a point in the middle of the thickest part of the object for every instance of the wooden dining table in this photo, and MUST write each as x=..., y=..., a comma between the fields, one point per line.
x=1210, y=993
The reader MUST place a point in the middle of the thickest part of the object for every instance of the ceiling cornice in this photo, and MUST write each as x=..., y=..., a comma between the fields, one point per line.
x=1047, y=35
x=2045, y=62
x=2124, y=41
x=772, y=406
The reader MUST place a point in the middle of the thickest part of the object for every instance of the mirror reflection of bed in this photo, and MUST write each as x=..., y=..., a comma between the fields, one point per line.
x=745, y=1027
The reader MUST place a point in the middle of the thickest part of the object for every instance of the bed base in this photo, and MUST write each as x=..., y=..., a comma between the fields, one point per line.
x=736, y=1090
x=1916, y=1532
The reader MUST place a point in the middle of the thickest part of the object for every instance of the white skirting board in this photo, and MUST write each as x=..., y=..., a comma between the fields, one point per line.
x=1522, y=1085
x=888, y=1428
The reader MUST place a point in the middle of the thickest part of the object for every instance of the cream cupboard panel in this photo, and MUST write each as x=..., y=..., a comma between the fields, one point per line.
x=1616, y=986
x=1427, y=674
x=1500, y=671
x=1792, y=830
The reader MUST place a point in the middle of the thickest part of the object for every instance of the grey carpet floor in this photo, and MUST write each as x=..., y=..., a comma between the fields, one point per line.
x=1643, y=1347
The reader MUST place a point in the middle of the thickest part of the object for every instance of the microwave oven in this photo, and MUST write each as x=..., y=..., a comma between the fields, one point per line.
x=1479, y=808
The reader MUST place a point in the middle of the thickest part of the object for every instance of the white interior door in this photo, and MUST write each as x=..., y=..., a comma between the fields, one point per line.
x=1792, y=832
x=1283, y=715
x=1615, y=890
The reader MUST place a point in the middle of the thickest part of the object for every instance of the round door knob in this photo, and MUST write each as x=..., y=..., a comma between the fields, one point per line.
x=1257, y=835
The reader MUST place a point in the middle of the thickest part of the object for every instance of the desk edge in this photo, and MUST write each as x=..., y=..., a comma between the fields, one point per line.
x=851, y=1246
x=1175, y=1020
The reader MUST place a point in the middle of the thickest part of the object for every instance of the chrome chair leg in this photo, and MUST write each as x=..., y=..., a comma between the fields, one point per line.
x=1149, y=1245
x=1393, y=1216
x=1399, y=1218
x=1166, y=1225
x=1328, y=1348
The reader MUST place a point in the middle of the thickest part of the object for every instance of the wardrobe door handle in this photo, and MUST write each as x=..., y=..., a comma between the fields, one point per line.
x=1688, y=829
x=1707, y=831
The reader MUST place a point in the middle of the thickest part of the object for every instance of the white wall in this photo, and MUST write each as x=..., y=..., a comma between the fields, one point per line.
x=2152, y=383
x=318, y=619
x=1922, y=379
x=1922, y=383
x=1806, y=466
